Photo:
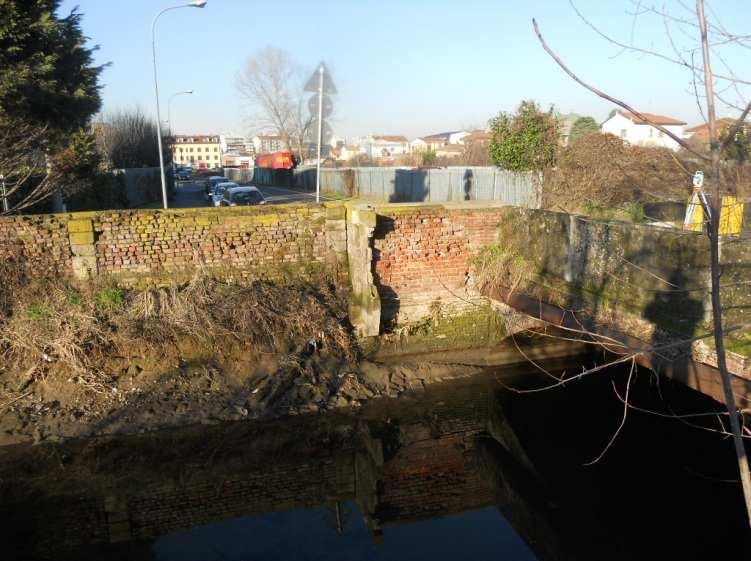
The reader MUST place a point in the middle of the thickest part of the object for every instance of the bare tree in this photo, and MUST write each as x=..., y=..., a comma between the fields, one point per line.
x=707, y=36
x=127, y=138
x=26, y=179
x=272, y=87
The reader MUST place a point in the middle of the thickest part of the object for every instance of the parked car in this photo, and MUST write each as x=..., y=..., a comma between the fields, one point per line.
x=182, y=174
x=217, y=192
x=242, y=196
x=212, y=182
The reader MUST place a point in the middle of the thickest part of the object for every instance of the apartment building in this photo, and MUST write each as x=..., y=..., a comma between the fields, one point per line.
x=200, y=151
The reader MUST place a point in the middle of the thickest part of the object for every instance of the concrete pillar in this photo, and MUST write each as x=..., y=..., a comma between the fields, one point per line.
x=365, y=303
x=81, y=238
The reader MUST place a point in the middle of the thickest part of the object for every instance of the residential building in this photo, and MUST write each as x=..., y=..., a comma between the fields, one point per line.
x=385, y=146
x=236, y=145
x=347, y=152
x=639, y=132
x=450, y=151
x=268, y=143
x=435, y=141
x=700, y=133
x=478, y=137
x=200, y=151
x=238, y=160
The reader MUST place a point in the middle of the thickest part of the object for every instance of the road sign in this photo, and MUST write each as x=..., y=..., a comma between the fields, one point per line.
x=326, y=132
x=313, y=82
x=327, y=108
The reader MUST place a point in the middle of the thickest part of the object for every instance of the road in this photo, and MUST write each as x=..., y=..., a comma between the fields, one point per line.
x=191, y=194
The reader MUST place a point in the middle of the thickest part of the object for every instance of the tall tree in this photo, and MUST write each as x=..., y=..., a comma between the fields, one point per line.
x=526, y=140
x=47, y=75
x=49, y=88
x=272, y=86
x=582, y=127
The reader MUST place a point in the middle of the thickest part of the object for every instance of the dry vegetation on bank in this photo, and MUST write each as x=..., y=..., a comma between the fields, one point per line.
x=53, y=324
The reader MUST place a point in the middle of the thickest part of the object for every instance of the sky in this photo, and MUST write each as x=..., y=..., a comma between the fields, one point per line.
x=410, y=67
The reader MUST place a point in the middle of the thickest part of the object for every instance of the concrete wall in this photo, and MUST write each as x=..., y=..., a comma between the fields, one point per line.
x=142, y=185
x=452, y=184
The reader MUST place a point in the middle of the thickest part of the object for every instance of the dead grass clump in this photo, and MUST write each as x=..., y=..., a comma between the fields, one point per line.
x=278, y=317
x=51, y=321
x=502, y=266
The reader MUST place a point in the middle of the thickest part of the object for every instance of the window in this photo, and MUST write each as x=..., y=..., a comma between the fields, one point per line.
x=216, y=149
x=623, y=133
x=198, y=149
x=651, y=132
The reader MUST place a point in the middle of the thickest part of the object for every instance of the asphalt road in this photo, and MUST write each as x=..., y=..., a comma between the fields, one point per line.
x=192, y=195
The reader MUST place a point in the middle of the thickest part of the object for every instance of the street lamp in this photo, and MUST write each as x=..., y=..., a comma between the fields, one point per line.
x=194, y=4
x=169, y=107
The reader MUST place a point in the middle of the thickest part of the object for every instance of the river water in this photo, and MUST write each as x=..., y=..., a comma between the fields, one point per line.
x=462, y=470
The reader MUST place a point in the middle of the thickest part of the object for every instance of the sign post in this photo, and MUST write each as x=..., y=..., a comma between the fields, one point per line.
x=320, y=132
x=320, y=83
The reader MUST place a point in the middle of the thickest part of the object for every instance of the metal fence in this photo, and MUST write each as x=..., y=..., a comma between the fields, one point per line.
x=429, y=185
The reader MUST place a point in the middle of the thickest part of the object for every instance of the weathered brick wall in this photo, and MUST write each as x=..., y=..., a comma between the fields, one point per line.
x=154, y=244
x=38, y=242
x=422, y=253
x=258, y=241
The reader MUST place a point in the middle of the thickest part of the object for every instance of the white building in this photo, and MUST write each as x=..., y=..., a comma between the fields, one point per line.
x=385, y=146
x=266, y=144
x=634, y=130
x=236, y=145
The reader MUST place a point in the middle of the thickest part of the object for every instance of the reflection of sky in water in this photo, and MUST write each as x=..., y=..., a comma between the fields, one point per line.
x=310, y=534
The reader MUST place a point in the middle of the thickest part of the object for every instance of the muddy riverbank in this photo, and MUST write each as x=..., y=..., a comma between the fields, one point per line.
x=187, y=386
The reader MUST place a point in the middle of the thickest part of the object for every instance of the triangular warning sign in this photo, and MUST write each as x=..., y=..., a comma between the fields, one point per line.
x=314, y=81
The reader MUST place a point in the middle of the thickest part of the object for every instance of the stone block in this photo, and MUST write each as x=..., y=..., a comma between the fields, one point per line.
x=88, y=250
x=336, y=212
x=77, y=226
x=81, y=238
x=84, y=267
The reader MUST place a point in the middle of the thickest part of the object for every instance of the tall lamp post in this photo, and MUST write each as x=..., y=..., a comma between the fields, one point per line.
x=194, y=4
x=169, y=107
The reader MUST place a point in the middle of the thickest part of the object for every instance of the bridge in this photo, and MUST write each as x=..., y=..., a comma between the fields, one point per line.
x=644, y=288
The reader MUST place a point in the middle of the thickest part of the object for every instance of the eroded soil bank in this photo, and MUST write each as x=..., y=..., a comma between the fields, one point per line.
x=96, y=359
x=189, y=386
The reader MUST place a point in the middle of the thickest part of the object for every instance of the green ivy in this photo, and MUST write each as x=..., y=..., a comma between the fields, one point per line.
x=526, y=140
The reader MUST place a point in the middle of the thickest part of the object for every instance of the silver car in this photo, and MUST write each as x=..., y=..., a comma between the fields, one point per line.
x=212, y=182
x=218, y=192
x=242, y=196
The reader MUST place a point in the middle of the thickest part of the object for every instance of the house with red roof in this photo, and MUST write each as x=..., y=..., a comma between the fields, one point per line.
x=641, y=131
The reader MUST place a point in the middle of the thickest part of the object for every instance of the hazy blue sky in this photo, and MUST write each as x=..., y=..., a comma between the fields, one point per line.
x=401, y=66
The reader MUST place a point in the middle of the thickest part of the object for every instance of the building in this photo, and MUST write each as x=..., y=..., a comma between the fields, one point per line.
x=238, y=160
x=199, y=151
x=268, y=143
x=435, y=141
x=237, y=145
x=348, y=151
x=639, y=132
x=450, y=151
x=385, y=146
x=700, y=133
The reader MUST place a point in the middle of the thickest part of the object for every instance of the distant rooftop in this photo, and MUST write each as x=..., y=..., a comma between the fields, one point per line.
x=652, y=118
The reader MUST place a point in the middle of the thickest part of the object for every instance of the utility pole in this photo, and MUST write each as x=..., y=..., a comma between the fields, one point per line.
x=320, y=132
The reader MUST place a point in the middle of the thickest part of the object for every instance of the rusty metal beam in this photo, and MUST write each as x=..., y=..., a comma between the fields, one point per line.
x=699, y=376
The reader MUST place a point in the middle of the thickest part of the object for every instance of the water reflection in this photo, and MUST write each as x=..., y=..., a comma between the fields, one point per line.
x=463, y=470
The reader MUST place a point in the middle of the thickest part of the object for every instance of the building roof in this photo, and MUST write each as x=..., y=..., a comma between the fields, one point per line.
x=390, y=138
x=451, y=148
x=721, y=124
x=478, y=136
x=701, y=132
x=197, y=138
x=652, y=118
